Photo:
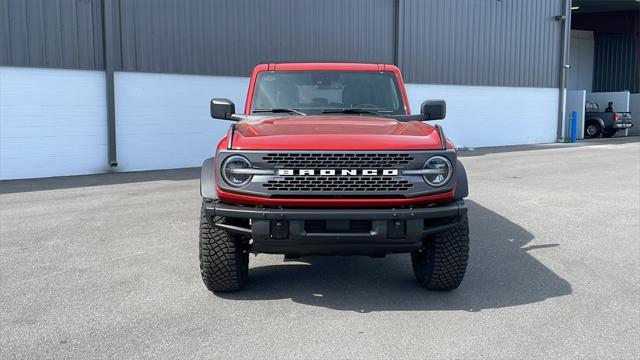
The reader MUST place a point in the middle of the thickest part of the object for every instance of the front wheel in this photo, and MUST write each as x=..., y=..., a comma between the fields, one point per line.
x=224, y=256
x=442, y=261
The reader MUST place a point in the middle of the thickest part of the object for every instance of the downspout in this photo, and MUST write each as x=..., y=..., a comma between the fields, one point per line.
x=564, y=67
x=110, y=9
x=396, y=35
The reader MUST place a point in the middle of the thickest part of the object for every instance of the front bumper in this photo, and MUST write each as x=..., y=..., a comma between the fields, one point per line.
x=362, y=231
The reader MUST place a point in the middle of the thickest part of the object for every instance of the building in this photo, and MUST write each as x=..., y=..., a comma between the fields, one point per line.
x=91, y=86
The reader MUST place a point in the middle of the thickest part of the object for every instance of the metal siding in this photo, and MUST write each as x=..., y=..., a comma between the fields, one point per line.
x=615, y=65
x=110, y=40
x=5, y=33
x=482, y=42
x=223, y=37
x=51, y=33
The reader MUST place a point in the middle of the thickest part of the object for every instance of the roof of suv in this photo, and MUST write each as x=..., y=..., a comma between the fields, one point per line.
x=353, y=66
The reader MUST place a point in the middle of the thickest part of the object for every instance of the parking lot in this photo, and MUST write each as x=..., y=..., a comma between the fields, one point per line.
x=106, y=266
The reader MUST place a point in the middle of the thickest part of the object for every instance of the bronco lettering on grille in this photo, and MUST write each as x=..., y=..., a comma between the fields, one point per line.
x=337, y=172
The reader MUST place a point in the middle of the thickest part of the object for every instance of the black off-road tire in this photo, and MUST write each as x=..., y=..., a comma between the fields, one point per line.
x=224, y=257
x=442, y=261
x=609, y=133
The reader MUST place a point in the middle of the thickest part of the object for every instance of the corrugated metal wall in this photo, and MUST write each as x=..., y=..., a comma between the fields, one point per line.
x=481, y=42
x=229, y=37
x=615, y=63
x=51, y=33
x=470, y=42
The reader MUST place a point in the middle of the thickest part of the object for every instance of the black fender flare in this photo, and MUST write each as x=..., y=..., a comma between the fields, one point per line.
x=207, y=180
x=462, y=184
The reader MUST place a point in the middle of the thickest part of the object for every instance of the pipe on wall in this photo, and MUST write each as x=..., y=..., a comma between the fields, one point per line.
x=108, y=16
x=564, y=67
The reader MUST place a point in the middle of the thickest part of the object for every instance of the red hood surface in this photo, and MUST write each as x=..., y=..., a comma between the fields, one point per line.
x=334, y=133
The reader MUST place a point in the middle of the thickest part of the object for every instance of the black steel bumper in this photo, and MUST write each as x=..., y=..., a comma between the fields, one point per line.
x=374, y=231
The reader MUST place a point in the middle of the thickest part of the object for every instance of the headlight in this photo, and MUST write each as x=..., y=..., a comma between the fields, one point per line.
x=438, y=171
x=234, y=171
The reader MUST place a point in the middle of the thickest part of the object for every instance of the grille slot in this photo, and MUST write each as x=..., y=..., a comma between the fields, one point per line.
x=360, y=226
x=337, y=160
x=315, y=226
x=336, y=184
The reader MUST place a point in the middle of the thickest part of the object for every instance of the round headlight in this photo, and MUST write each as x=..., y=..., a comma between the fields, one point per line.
x=232, y=171
x=440, y=171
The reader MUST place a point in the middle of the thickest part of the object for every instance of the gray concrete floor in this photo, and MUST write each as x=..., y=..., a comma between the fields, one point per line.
x=106, y=266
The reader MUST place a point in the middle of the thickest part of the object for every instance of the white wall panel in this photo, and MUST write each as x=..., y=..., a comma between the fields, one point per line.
x=163, y=121
x=491, y=115
x=581, y=60
x=620, y=100
x=634, y=107
x=575, y=102
x=52, y=122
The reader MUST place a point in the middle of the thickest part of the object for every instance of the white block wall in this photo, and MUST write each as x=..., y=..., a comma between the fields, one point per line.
x=634, y=107
x=620, y=100
x=491, y=115
x=581, y=60
x=163, y=120
x=575, y=102
x=52, y=122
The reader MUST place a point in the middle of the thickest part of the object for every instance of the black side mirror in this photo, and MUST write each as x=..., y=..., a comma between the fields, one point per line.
x=434, y=109
x=222, y=109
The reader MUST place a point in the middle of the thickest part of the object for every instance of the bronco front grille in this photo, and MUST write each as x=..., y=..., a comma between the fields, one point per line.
x=337, y=184
x=337, y=160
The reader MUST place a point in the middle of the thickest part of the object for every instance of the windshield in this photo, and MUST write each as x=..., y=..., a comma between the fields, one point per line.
x=315, y=92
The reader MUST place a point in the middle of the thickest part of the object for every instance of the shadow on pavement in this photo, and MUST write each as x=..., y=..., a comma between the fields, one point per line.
x=68, y=182
x=501, y=273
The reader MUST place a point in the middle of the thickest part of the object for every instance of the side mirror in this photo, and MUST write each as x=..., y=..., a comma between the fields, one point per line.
x=434, y=109
x=222, y=108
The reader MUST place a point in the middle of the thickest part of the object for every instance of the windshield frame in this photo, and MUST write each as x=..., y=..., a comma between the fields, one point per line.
x=403, y=108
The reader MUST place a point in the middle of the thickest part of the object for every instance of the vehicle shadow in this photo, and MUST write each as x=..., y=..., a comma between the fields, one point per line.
x=501, y=273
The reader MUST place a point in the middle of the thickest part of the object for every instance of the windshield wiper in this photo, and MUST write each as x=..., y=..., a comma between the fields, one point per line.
x=353, y=111
x=280, y=110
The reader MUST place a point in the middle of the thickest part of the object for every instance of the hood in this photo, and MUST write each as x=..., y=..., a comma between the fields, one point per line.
x=325, y=132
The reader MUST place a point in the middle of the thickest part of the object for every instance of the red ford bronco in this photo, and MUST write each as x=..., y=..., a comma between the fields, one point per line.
x=326, y=159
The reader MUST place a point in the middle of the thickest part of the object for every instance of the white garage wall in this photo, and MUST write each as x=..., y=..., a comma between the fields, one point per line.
x=575, y=102
x=490, y=115
x=634, y=107
x=581, y=59
x=52, y=122
x=163, y=121
x=620, y=100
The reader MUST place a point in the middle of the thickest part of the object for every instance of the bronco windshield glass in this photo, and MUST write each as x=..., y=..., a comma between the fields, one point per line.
x=313, y=92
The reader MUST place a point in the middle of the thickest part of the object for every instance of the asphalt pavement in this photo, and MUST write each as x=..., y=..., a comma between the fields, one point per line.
x=106, y=266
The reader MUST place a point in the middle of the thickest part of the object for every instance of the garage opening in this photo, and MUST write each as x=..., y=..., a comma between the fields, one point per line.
x=604, y=78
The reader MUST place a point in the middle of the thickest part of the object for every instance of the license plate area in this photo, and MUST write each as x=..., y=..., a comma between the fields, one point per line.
x=337, y=226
